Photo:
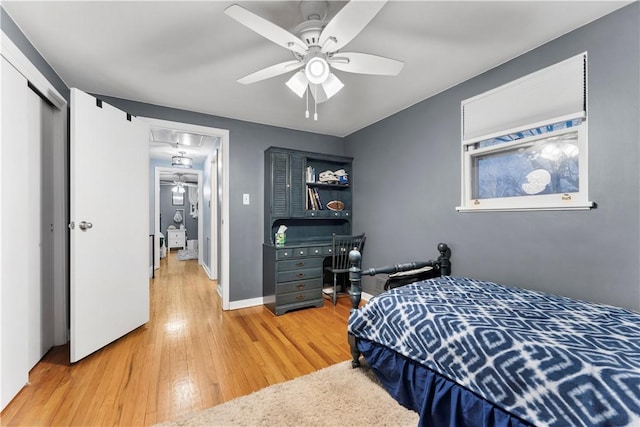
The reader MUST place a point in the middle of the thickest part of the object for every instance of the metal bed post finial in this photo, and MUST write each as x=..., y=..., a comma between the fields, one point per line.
x=355, y=295
x=355, y=277
x=444, y=259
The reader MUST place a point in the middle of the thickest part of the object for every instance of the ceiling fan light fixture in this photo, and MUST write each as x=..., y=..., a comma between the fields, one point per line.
x=181, y=161
x=317, y=70
x=315, y=44
x=298, y=83
x=332, y=85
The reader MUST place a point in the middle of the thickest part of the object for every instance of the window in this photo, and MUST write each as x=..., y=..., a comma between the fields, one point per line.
x=537, y=166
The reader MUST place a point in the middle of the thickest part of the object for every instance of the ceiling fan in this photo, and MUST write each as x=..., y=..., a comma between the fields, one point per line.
x=178, y=184
x=316, y=45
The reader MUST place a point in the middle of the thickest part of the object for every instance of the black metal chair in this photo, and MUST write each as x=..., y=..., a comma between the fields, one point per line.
x=342, y=245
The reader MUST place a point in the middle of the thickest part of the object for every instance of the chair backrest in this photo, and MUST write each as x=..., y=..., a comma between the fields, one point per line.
x=342, y=245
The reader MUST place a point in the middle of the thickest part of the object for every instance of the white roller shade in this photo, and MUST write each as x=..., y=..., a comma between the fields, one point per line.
x=556, y=91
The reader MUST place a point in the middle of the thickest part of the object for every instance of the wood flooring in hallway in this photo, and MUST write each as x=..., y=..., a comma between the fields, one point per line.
x=190, y=356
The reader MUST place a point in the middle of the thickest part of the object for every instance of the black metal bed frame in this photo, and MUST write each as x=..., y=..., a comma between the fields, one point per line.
x=442, y=266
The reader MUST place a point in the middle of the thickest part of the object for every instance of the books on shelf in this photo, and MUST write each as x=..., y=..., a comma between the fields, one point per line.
x=317, y=194
x=310, y=200
x=313, y=199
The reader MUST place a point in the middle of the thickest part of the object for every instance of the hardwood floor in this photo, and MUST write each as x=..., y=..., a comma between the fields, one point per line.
x=191, y=355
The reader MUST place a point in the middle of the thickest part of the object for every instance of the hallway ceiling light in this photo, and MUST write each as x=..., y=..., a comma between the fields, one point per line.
x=169, y=136
x=178, y=188
x=181, y=161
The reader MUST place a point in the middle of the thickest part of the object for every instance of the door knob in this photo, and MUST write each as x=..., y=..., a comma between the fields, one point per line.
x=84, y=225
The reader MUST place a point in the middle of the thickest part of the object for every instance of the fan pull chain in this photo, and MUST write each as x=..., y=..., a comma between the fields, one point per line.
x=315, y=103
x=306, y=113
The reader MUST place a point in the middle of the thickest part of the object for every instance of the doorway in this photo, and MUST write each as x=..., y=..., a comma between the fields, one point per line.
x=213, y=203
x=179, y=198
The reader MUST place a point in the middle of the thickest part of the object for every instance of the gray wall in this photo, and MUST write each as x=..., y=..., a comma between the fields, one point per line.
x=407, y=182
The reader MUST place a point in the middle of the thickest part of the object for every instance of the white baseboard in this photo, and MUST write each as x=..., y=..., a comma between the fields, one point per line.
x=150, y=271
x=253, y=302
x=246, y=303
x=206, y=270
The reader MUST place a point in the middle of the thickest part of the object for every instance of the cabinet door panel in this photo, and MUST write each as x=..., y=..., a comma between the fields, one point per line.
x=280, y=181
x=298, y=187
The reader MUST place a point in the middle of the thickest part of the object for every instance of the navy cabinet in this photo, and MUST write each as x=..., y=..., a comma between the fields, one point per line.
x=296, y=197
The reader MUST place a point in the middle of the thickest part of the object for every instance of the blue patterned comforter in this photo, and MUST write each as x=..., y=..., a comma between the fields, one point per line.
x=550, y=360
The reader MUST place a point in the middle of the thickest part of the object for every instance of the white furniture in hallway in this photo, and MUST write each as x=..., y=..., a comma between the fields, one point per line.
x=176, y=239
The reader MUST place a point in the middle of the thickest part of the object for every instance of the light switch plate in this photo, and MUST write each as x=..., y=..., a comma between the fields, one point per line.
x=245, y=199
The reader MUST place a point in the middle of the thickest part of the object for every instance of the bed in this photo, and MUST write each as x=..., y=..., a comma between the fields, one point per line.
x=461, y=351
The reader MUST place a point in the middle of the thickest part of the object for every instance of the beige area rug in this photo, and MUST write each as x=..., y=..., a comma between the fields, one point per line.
x=333, y=396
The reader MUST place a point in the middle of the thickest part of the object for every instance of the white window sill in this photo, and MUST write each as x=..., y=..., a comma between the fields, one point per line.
x=549, y=207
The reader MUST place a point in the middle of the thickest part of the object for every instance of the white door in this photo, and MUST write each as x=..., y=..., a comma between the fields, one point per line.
x=109, y=192
x=14, y=266
x=39, y=213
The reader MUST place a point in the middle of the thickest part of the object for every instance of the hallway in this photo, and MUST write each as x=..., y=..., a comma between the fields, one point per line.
x=190, y=356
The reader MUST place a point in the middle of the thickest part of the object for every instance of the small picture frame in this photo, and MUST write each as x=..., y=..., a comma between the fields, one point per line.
x=177, y=199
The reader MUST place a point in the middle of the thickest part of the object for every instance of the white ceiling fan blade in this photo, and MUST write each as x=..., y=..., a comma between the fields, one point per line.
x=364, y=63
x=266, y=29
x=298, y=83
x=272, y=71
x=348, y=23
x=332, y=85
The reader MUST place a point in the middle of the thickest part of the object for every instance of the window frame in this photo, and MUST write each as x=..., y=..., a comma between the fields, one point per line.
x=560, y=201
x=527, y=108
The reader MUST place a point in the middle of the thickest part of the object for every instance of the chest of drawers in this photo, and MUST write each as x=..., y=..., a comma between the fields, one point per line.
x=176, y=239
x=293, y=276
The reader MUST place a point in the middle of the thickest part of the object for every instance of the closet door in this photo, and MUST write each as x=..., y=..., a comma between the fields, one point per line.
x=40, y=192
x=109, y=294
x=14, y=223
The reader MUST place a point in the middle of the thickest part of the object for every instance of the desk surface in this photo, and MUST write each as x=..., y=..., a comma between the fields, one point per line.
x=290, y=245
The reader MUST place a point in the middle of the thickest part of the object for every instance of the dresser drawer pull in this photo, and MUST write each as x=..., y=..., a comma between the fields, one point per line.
x=300, y=275
x=301, y=286
x=300, y=264
x=300, y=297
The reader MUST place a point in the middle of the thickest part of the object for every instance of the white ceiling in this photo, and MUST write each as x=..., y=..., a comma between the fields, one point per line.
x=188, y=55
